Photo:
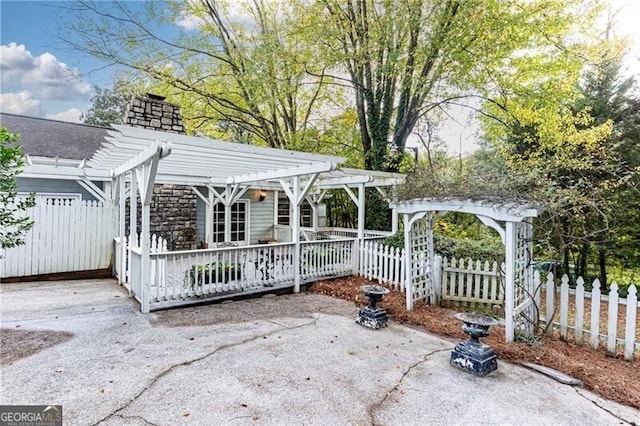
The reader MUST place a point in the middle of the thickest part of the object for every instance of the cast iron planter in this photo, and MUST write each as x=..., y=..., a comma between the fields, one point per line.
x=372, y=316
x=472, y=355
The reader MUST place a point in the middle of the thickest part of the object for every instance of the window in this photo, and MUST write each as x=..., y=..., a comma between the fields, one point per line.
x=284, y=212
x=239, y=222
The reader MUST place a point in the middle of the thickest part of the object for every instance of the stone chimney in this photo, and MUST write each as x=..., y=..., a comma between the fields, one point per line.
x=173, y=207
x=152, y=112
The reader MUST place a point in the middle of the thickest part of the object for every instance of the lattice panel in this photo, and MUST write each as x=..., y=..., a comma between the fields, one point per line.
x=523, y=278
x=421, y=237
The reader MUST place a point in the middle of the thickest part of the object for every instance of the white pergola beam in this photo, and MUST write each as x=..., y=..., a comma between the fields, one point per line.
x=332, y=182
x=159, y=149
x=92, y=189
x=282, y=173
x=504, y=212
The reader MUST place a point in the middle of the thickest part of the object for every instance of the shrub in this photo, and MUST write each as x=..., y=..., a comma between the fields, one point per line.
x=212, y=273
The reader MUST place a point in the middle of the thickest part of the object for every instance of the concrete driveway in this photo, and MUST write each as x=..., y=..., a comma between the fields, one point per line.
x=285, y=360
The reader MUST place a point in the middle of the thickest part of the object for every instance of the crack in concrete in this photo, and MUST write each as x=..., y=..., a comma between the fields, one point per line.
x=173, y=367
x=630, y=422
x=147, y=422
x=387, y=394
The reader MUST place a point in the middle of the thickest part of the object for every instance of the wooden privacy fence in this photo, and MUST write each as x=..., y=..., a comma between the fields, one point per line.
x=68, y=236
x=609, y=319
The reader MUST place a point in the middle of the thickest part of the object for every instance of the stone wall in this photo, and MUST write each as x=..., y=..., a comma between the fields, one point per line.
x=173, y=207
x=152, y=112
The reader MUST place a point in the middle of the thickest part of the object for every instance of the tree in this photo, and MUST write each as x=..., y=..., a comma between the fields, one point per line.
x=581, y=150
x=249, y=74
x=405, y=58
x=109, y=105
x=13, y=224
x=608, y=97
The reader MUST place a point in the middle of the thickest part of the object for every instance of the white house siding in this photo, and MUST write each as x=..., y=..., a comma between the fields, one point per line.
x=55, y=186
x=260, y=216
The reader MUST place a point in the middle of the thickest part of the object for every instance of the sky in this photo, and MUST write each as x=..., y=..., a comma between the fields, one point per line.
x=42, y=78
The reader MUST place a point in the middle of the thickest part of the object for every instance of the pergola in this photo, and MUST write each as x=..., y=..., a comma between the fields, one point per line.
x=511, y=220
x=145, y=157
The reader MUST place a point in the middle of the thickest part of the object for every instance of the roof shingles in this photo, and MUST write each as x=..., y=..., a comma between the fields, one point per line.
x=50, y=138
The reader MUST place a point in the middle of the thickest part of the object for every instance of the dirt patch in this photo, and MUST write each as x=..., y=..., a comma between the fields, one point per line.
x=610, y=377
x=16, y=344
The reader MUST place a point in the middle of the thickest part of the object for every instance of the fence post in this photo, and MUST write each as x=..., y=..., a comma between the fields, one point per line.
x=612, y=320
x=436, y=280
x=595, y=314
x=550, y=304
x=564, y=307
x=577, y=335
x=355, y=256
x=630, y=324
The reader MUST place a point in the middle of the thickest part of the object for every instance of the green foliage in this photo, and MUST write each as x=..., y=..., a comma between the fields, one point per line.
x=405, y=59
x=462, y=237
x=395, y=240
x=13, y=225
x=212, y=273
x=490, y=249
x=578, y=144
x=473, y=180
x=109, y=105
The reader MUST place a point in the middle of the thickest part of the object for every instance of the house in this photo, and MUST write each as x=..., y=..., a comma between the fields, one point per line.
x=234, y=202
x=50, y=144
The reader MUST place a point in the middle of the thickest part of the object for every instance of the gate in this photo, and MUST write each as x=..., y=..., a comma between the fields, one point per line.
x=68, y=236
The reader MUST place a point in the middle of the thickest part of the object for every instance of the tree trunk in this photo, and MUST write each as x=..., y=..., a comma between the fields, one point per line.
x=602, y=262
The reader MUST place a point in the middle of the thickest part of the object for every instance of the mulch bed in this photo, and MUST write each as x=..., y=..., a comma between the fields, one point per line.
x=610, y=377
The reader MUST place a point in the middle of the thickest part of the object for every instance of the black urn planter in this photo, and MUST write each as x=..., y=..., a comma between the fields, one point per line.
x=373, y=316
x=472, y=355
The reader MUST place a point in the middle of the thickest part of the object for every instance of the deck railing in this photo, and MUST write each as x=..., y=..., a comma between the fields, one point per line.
x=329, y=258
x=283, y=233
x=184, y=277
x=196, y=274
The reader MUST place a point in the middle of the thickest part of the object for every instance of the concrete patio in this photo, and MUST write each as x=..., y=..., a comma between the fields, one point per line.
x=294, y=359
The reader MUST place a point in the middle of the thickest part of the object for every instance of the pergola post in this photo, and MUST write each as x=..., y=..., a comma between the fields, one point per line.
x=408, y=291
x=227, y=214
x=143, y=169
x=121, y=197
x=145, y=174
x=394, y=220
x=295, y=229
x=361, y=217
x=510, y=248
x=133, y=212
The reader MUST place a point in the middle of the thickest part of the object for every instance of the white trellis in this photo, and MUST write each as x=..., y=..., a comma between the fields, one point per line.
x=512, y=221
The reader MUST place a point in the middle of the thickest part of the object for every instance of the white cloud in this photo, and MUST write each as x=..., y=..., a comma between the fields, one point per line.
x=237, y=12
x=189, y=22
x=72, y=115
x=43, y=75
x=21, y=103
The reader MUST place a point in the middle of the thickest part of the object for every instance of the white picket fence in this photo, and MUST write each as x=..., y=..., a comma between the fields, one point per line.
x=382, y=263
x=461, y=282
x=587, y=322
x=470, y=283
x=475, y=284
x=68, y=236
